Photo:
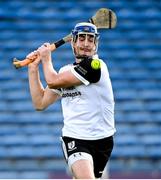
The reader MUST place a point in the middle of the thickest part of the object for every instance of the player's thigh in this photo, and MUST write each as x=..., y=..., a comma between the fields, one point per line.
x=82, y=169
x=78, y=157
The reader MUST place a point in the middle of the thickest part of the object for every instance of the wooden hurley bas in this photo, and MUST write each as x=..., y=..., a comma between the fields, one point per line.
x=103, y=19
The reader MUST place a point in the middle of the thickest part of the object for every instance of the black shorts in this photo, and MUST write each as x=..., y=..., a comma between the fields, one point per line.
x=100, y=150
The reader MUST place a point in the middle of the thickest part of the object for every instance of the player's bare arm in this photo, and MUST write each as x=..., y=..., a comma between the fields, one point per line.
x=41, y=97
x=55, y=80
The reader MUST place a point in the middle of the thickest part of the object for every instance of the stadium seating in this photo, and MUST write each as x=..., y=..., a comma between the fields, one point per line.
x=29, y=141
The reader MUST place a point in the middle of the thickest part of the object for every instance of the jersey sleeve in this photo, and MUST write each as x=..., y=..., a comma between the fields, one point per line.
x=85, y=73
x=57, y=91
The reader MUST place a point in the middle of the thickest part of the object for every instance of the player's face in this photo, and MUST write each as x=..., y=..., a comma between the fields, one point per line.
x=85, y=45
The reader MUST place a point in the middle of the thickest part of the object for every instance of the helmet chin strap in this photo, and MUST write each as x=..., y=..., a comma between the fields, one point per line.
x=81, y=57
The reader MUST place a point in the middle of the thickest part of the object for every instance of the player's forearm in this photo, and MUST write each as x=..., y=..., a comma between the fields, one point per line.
x=49, y=72
x=36, y=88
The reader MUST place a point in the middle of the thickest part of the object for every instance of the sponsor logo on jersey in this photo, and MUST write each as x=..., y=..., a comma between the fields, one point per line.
x=81, y=70
x=70, y=92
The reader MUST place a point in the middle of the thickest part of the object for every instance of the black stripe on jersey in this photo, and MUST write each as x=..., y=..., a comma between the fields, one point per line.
x=85, y=70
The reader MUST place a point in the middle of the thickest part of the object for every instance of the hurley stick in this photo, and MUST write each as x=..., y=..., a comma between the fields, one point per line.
x=103, y=18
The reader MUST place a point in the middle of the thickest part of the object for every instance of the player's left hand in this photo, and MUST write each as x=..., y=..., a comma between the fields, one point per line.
x=45, y=52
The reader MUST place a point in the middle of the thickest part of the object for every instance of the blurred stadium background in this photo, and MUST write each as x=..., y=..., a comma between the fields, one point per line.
x=29, y=140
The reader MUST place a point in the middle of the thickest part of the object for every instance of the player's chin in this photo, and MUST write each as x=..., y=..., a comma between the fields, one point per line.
x=86, y=54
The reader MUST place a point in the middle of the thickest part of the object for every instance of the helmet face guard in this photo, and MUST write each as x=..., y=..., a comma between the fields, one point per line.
x=87, y=29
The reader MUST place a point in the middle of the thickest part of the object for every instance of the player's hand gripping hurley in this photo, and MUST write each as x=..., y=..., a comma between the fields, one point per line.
x=104, y=18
